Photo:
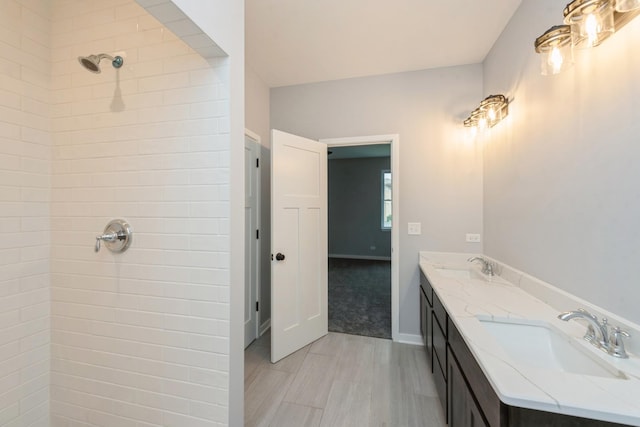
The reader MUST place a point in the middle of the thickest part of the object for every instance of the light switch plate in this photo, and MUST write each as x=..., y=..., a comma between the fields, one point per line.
x=473, y=238
x=414, y=229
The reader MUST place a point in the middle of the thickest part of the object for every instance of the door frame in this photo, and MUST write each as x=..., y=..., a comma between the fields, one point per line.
x=257, y=140
x=394, y=140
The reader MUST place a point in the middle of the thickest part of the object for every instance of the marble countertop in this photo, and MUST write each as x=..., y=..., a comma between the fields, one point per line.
x=520, y=384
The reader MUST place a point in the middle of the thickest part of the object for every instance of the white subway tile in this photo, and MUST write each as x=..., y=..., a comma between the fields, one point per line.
x=162, y=401
x=163, y=82
x=163, y=113
x=120, y=330
x=165, y=12
x=210, y=412
x=9, y=413
x=148, y=22
x=149, y=3
x=176, y=420
x=129, y=10
x=189, y=63
x=162, y=50
x=92, y=19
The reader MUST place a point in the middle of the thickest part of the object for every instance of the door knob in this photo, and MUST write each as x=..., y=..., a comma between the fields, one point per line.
x=279, y=257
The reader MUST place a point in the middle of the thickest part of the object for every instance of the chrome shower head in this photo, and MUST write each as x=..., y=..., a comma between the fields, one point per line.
x=92, y=62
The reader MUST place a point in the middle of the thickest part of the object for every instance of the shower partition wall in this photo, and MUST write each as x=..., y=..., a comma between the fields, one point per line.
x=25, y=194
x=133, y=338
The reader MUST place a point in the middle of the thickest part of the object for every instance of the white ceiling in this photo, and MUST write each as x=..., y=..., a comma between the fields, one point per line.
x=302, y=41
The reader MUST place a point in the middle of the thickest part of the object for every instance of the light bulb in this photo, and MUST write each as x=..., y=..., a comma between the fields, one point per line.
x=555, y=60
x=491, y=114
x=592, y=28
x=482, y=124
x=627, y=5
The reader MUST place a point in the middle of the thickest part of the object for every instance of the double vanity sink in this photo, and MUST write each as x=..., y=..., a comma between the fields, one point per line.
x=534, y=362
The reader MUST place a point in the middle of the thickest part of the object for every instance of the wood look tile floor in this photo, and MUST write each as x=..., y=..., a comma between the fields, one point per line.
x=341, y=380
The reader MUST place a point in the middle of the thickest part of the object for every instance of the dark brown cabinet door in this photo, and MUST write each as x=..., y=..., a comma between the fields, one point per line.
x=423, y=315
x=462, y=408
x=426, y=323
x=429, y=334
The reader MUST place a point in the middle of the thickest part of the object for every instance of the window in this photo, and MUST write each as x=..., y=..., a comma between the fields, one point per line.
x=386, y=200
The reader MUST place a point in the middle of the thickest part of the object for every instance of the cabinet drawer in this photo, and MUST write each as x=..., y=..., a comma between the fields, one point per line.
x=440, y=313
x=439, y=345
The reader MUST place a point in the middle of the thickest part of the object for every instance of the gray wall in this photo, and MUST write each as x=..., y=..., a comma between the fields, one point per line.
x=440, y=172
x=355, y=210
x=257, y=120
x=562, y=192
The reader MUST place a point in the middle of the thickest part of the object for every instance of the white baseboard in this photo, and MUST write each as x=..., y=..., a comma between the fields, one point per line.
x=265, y=327
x=410, y=339
x=367, y=257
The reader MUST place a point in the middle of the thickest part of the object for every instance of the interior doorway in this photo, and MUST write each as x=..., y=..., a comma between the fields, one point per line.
x=360, y=200
x=390, y=143
x=299, y=236
x=252, y=237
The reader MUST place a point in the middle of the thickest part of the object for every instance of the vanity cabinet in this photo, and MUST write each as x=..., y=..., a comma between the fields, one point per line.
x=465, y=393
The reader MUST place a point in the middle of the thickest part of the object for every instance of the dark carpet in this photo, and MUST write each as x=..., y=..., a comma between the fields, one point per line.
x=360, y=297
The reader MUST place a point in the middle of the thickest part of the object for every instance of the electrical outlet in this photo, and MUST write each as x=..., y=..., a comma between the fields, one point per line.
x=473, y=238
x=414, y=228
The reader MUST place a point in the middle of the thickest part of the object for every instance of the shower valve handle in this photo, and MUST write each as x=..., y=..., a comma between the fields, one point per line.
x=109, y=237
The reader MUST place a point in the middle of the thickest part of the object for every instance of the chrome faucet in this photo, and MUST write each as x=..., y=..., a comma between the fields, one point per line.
x=594, y=325
x=487, y=267
x=598, y=332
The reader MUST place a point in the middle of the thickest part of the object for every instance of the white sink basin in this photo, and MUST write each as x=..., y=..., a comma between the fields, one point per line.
x=541, y=345
x=454, y=273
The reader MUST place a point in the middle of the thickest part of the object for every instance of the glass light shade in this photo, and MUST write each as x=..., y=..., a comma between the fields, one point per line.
x=627, y=5
x=591, y=21
x=493, y=109
x=475, y=119
x=554, y=47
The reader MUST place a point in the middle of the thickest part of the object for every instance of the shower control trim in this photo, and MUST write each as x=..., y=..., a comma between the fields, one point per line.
x=117, y=236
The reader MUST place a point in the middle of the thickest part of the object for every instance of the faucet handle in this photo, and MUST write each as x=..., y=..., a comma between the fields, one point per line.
x=605, y=332
x=616, y=344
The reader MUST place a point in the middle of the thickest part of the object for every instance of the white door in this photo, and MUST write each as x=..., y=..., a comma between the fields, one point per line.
x=251, y=241
x=298, y=242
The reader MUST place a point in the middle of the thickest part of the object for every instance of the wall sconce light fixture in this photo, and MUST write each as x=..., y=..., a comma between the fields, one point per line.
x=492, y=109
x=591, y=21
x=556, y=50
x=587, y=24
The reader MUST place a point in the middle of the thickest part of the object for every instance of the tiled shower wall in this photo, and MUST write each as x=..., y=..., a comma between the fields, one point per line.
x=138, y=338
x=25, y=157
